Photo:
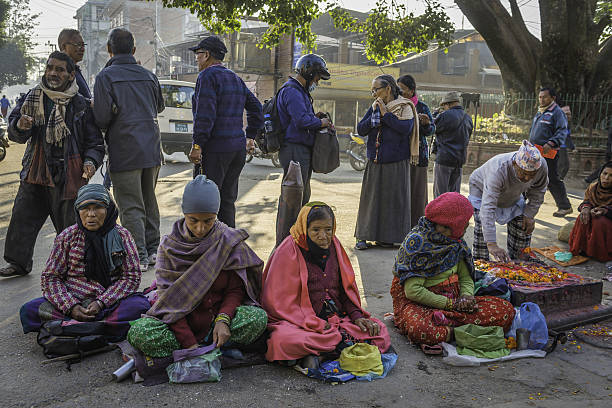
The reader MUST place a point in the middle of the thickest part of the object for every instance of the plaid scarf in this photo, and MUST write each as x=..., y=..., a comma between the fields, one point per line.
x=34, y=106
x=187, y=267
x=375, y=118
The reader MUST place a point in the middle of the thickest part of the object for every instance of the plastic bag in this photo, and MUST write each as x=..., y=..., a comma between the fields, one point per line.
x=533, y=320
x=195, y=365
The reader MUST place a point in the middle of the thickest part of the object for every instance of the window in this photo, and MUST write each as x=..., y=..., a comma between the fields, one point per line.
x=99, y=13
x=176, y=96
x=117, y=21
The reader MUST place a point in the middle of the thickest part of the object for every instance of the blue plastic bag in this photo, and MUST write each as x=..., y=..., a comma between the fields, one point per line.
x=533, y=320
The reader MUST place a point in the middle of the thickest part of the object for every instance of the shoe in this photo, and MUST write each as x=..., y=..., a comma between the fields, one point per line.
x=144, y=266
x=152, y=259
x=12, y=270
x=361, y=245
x=310, y=361
x=560, y=213
x=384, y=244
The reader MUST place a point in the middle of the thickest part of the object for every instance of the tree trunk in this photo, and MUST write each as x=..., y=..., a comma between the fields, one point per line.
x=568, y=58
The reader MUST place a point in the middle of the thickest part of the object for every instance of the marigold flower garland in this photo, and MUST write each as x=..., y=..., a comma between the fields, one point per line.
x=522, y=272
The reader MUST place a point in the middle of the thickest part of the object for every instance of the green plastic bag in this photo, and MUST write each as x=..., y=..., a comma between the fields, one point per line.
x=479, y=341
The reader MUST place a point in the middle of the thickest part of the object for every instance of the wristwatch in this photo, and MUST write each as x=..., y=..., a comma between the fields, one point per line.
x=196, y=147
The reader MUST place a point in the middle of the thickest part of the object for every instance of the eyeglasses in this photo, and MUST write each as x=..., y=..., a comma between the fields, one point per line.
x=374, y=90
x=78, y=45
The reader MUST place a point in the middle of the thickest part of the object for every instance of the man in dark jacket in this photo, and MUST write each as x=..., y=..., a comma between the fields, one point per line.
x=71, y=43
x=219, y=143
x=64, y=148
x=549, y=131
x=453, y=131
x=297, y=116
x=127, y=100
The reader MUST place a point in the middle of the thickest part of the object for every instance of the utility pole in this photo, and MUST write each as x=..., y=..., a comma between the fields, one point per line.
x=155, y=35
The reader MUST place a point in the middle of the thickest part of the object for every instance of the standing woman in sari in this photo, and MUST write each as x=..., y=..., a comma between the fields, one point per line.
x=393, y=144
x=592, y=232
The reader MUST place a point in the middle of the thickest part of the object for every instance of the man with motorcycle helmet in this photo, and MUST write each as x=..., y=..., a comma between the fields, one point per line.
x=297, y=116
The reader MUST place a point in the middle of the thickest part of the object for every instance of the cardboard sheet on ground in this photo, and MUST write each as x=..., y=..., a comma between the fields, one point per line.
x=549, y=252
x=453, y=358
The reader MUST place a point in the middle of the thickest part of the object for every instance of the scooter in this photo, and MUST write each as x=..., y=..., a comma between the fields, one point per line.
x=261, y=155
x=4, y=144
x=357, y=152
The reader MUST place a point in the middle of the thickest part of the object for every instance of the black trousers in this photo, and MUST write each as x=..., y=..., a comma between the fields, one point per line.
x=555, y=184
x=224, y=169
x=33, y=204
x=303, y=155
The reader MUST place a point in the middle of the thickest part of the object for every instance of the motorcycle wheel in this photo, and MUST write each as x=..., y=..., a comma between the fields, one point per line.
x=275, y=160
x=356, y=164
x=2, y=153
x=249, y=157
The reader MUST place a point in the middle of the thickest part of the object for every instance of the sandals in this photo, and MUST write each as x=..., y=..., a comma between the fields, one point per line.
x=435, y=350
x=11, y=270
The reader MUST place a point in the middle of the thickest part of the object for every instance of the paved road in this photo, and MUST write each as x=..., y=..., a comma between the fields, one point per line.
x=572, y=376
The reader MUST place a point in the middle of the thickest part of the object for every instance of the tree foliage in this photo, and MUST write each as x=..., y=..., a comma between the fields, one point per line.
x=16, y=42
x=389, y=31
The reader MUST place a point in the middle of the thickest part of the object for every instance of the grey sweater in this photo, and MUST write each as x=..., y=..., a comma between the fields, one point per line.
x=496, y=183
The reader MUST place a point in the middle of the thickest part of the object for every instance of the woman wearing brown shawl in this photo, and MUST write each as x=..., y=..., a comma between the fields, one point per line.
x=592, y=232
x=208, y=282
x=393, y=144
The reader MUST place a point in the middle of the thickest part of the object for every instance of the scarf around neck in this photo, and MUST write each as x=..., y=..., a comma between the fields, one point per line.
x=100, y=246
x=427, y=253
x=597, y=195
x=34, y=106
x=543, y=109
x=405, y=109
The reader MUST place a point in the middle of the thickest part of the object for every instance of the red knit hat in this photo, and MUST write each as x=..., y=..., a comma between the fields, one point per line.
x=451, y=210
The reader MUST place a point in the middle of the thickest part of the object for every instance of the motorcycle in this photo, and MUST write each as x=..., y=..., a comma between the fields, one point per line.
x=261, y=155
x=357, y=152
x=4, y=144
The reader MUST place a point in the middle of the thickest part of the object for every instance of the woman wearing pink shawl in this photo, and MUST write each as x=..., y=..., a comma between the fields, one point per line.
x=311, y=297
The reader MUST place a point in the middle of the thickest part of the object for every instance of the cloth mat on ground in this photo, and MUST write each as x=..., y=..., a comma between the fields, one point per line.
x=451, y=357
x=549, y=252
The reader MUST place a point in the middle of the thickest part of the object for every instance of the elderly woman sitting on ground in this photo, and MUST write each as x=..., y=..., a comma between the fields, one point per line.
x=592, y=232
x=311, y=297
x=433, y=287
x=208, y=282
x=92, y=273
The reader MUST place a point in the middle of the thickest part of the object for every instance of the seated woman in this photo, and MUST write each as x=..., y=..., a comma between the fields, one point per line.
x=310, y=294
x=433, y=287
x=208, y=282
x=92, y=273
x=592, y=232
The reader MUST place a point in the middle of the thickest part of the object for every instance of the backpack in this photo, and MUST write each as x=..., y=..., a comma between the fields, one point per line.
x=269, y=137
x=57, y=340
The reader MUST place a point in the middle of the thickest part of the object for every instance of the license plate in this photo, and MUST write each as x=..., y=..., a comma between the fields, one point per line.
x=181, y=127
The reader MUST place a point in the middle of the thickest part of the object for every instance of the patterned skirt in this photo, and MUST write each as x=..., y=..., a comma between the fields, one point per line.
x=155, y=339
x=113, y=322
x=418, y=324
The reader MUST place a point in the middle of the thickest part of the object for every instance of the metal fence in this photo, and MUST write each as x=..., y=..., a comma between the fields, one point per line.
x=500, y=119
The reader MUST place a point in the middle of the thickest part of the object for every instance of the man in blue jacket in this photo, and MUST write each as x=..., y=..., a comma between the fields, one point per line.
x=219, y=142
x=549, y=130
x=297, y=117
x=127, y=100
x=453, y=131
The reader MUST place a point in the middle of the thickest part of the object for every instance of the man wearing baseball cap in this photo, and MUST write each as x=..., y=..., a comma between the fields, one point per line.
x=508, y=189
x=219, y=143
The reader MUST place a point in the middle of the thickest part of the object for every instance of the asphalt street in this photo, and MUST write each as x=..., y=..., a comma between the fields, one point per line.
x=575, y=375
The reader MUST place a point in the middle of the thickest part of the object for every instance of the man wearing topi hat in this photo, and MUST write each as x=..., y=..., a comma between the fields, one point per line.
x=453, y=131
x=508, y=189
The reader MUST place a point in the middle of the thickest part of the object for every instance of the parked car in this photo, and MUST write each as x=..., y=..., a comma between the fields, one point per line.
x=176, y=121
